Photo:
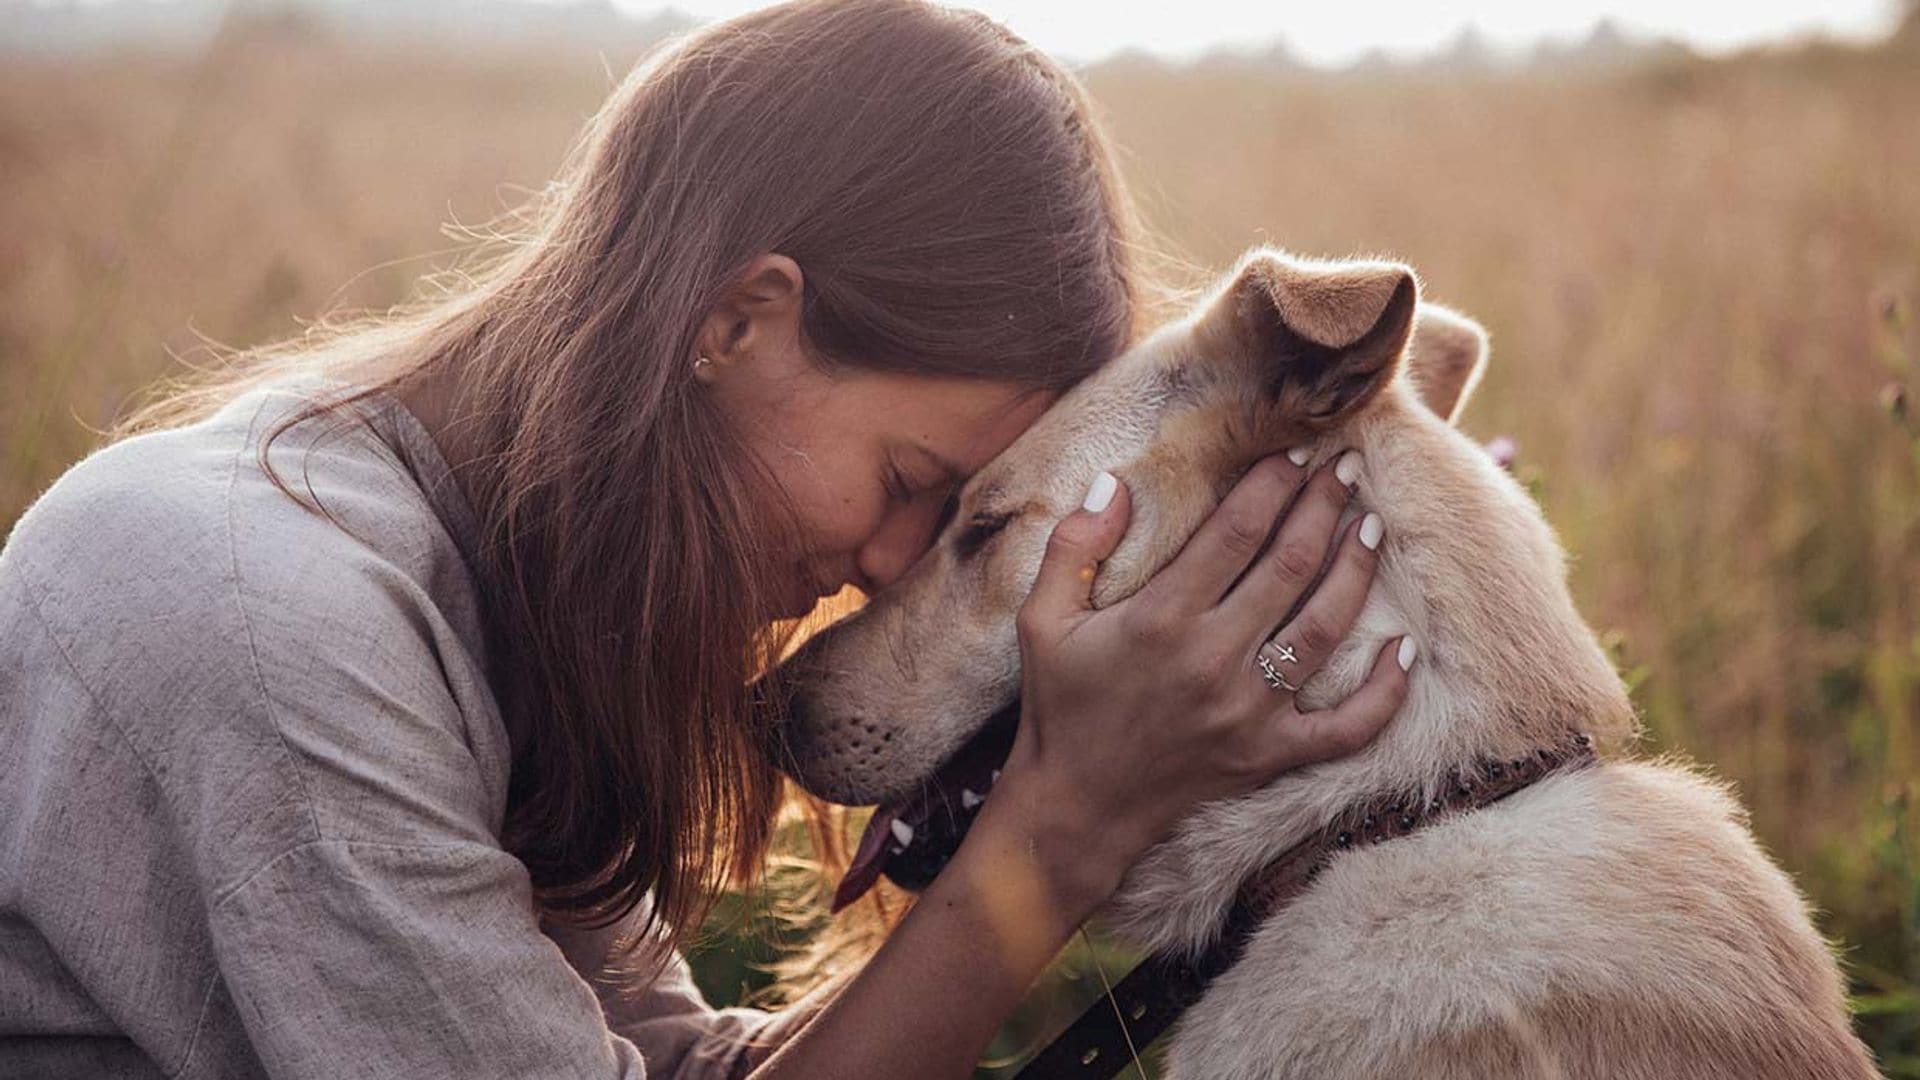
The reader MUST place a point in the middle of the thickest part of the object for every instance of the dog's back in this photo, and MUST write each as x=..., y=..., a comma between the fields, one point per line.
x=1614, y=923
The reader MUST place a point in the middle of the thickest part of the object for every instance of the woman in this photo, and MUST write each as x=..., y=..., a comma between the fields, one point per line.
x=387, y=711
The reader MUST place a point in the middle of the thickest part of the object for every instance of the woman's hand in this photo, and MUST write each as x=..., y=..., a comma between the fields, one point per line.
x=1136, y=713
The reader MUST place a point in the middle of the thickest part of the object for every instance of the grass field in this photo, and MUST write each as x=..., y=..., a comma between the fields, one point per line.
x=1701, y=279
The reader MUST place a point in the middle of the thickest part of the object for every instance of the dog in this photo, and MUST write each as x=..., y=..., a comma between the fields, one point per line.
x=1611, y=922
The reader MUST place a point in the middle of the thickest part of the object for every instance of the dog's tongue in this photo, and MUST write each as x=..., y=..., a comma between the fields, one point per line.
x=864, y=871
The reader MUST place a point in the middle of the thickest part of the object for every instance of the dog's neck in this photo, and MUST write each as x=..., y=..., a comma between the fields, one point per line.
x=1506, y=667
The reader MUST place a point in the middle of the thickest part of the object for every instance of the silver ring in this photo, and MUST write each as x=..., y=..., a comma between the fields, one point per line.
x=1272, y=674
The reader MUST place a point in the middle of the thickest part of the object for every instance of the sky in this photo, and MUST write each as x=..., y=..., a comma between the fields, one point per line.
x=1336, y=31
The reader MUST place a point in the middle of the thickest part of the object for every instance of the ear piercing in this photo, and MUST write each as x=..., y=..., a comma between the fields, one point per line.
x=700, y=362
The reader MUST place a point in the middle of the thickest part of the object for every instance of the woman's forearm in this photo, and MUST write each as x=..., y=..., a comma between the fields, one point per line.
x=935, y=993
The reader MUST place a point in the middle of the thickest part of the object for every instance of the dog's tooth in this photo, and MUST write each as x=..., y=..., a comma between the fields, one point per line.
x=994, y=778
x=902, y=832
x=968, y=800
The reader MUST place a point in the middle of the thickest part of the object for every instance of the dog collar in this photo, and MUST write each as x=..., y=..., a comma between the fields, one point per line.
x=1154, y=995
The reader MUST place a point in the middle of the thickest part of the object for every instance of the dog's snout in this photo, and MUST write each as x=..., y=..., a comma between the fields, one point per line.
x=842, y=759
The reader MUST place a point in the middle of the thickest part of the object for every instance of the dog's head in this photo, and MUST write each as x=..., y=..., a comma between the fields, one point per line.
x=1283, y=353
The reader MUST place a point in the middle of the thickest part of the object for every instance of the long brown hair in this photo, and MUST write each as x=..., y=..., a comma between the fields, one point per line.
x=955, y=211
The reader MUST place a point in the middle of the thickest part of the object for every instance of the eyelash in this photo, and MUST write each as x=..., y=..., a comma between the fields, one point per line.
x=900, y=492
x=979, y=531
x=896, y=485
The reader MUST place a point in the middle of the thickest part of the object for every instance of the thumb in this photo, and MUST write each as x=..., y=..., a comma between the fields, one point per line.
x=1064, y=587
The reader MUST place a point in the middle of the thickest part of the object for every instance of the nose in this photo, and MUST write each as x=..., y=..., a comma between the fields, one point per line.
x=902, y=538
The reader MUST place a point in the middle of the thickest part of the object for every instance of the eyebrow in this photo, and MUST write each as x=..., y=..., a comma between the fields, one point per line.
x=954, y=472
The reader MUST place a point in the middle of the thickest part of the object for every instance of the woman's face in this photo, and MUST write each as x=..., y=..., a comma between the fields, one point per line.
x=868, y=459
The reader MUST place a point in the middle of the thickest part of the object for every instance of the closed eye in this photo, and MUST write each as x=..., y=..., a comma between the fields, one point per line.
x=982, y=528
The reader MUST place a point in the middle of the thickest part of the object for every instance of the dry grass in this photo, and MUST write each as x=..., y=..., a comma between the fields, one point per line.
x=1697, y=277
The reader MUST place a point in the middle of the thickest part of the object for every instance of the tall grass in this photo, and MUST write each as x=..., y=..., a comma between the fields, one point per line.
x=1701, y=280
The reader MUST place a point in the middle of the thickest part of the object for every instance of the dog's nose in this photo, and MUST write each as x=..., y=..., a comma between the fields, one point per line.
x=835, y=758
x=801, y=742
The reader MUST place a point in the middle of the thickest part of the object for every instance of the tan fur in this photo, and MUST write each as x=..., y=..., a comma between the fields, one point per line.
x=1616, y=923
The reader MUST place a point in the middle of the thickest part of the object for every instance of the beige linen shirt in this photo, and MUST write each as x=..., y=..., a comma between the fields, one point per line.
x=252, y=781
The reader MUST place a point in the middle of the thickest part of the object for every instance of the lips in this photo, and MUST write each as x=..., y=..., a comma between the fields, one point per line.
x=909, y=840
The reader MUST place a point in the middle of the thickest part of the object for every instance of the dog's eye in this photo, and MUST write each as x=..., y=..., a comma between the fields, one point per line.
x=981, y=529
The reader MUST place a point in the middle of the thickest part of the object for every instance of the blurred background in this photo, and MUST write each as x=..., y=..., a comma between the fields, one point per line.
x=1693, y=230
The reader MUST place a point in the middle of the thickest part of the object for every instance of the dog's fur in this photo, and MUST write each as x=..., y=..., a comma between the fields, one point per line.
x=1615, y=922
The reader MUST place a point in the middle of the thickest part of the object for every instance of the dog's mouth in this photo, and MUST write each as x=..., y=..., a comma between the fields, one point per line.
x=910, y=839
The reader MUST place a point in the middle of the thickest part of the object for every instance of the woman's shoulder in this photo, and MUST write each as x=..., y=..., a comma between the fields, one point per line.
x=182, y=551
x=177, y=519
x=133, y=533
x=198, y=604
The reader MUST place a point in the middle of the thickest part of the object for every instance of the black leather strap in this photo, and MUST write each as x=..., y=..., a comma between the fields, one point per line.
x=1154, y=994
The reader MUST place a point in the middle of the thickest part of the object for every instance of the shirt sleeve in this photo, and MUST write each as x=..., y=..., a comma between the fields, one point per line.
x=667, y=1017
x=404, y=941
x=370, y=960
x=351, y=958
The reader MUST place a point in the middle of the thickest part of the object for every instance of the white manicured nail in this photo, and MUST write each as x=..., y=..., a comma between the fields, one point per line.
x=1370, y=529
x=1347, y=471
x=1299, y=455
x=902, y=832
x=1408, y=650
x=1101, y=493
x=968, y=800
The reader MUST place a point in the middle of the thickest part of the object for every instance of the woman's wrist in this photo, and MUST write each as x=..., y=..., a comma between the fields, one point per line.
x=1072, y=858
x=955, y=967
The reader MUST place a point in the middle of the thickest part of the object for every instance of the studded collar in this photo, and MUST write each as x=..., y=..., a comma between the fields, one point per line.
x=1155, y=994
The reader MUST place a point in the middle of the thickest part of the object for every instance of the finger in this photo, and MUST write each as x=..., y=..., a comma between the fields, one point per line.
x=1280, y=579
x=1322, y=620
x=1064, y=585
x=1294, y=652
x=1305, y=738
x=1220, y=550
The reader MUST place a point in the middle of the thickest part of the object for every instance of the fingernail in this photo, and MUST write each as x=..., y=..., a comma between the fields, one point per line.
x=1100, y=494
x=1370, y=529
x=1408, y=650
x=1347, y=471
x=1299, y=455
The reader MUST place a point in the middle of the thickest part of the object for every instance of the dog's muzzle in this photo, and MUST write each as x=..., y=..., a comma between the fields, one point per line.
x=909, y=840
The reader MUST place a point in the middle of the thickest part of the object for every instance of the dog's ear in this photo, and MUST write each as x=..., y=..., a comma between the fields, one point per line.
x=1448, y=356
x=1324, y=337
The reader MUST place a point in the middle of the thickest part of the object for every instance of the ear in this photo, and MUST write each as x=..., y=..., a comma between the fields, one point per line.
x=1448, y=356
x=1324, y=337
x=756, y=321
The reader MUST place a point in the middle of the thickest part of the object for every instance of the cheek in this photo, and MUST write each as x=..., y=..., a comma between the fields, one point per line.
x=838, y=519
x=831, y=489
